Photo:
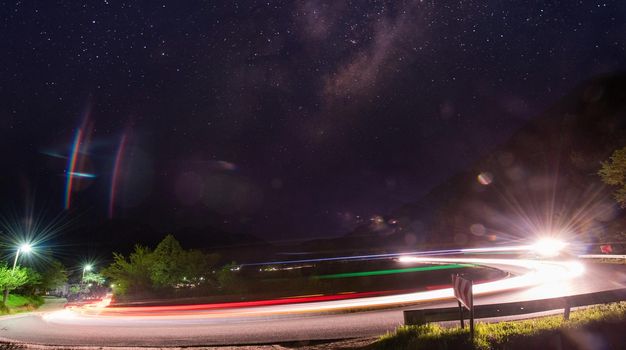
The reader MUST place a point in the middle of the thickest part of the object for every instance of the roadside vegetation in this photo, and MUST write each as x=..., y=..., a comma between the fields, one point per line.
x=190, y=276
x=18, y=302
x=23, y=287
x=167, y=270
x=171, y=272
x=596, y=327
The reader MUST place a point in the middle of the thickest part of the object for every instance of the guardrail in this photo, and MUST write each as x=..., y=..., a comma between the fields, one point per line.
x=602, y=256
x=422, y=316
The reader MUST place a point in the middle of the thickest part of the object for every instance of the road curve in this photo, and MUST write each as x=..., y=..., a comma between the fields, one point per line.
x=294, y=322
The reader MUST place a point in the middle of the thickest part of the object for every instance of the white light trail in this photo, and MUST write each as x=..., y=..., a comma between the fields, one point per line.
x=542, y=279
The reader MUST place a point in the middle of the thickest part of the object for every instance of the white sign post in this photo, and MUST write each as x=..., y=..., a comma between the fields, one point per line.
x=463, y=291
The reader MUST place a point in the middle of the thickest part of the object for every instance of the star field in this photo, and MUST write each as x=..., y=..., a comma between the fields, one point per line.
x=285, y=119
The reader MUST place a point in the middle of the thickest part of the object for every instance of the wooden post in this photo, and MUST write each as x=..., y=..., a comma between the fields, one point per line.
x=461, y=315
x=566, y=310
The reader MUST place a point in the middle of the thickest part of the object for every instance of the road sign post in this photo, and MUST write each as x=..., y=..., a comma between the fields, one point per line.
x=472, y=317
x=461, y=315
x=463, y=291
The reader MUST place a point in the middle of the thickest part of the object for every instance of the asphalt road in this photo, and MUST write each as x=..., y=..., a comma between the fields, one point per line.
x=274, y=324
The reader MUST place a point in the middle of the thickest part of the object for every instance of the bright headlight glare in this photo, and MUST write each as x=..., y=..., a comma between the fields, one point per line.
x=549, y=247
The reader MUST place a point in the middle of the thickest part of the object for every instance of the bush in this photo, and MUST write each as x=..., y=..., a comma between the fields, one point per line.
x=21, y=303
x=165, y=271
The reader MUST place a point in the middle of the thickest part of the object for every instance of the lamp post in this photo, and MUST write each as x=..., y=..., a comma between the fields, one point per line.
x=23, y=248
x=86, y=268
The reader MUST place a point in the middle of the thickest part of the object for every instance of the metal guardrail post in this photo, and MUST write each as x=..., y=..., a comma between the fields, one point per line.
x=602, y=256
x=464, y=292
x=423, y=316
x=472, y=321
x=461, y=315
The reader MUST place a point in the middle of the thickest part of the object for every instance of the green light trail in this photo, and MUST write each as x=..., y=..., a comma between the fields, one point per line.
x=394, y=271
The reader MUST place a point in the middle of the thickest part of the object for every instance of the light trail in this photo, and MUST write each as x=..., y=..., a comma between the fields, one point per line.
x=538, y=277
x=163, y=310
x=394, y=255
x=71, y=165
x=455, y=251
x=394, y=271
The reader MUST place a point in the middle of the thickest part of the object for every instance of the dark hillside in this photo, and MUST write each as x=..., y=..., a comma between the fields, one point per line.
x=544, y=179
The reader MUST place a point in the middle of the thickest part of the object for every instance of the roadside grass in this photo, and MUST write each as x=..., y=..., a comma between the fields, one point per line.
x=20, y=303
x=541, y=331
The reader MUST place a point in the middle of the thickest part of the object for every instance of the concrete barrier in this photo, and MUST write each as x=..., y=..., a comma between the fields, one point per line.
x=422, y=316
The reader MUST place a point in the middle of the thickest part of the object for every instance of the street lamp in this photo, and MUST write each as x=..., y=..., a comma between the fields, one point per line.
x=23, y=248
x=86, y=268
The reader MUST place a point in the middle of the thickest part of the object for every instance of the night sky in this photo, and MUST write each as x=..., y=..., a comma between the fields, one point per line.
x=286, y=120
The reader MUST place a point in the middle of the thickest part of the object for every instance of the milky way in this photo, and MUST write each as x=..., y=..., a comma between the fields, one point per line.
x=284, y=119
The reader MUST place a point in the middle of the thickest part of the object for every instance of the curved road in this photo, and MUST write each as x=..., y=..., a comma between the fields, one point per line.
x=98, y=326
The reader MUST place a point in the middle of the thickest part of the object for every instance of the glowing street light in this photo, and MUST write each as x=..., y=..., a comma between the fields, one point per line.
x=23, y=248
x=86, y=268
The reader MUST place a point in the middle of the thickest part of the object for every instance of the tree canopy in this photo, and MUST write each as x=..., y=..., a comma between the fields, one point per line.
x=11, y=279
x=53, y=275
x=132, y=275
x=167, y=267
x=613, y=173
x=93, y=277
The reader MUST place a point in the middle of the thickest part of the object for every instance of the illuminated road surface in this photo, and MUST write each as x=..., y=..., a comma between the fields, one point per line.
x=184, y=326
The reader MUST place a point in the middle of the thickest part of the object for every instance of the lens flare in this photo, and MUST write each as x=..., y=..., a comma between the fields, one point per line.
x=485, y=178
x=85, y=175
x=116, y=172
x=71, y=165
